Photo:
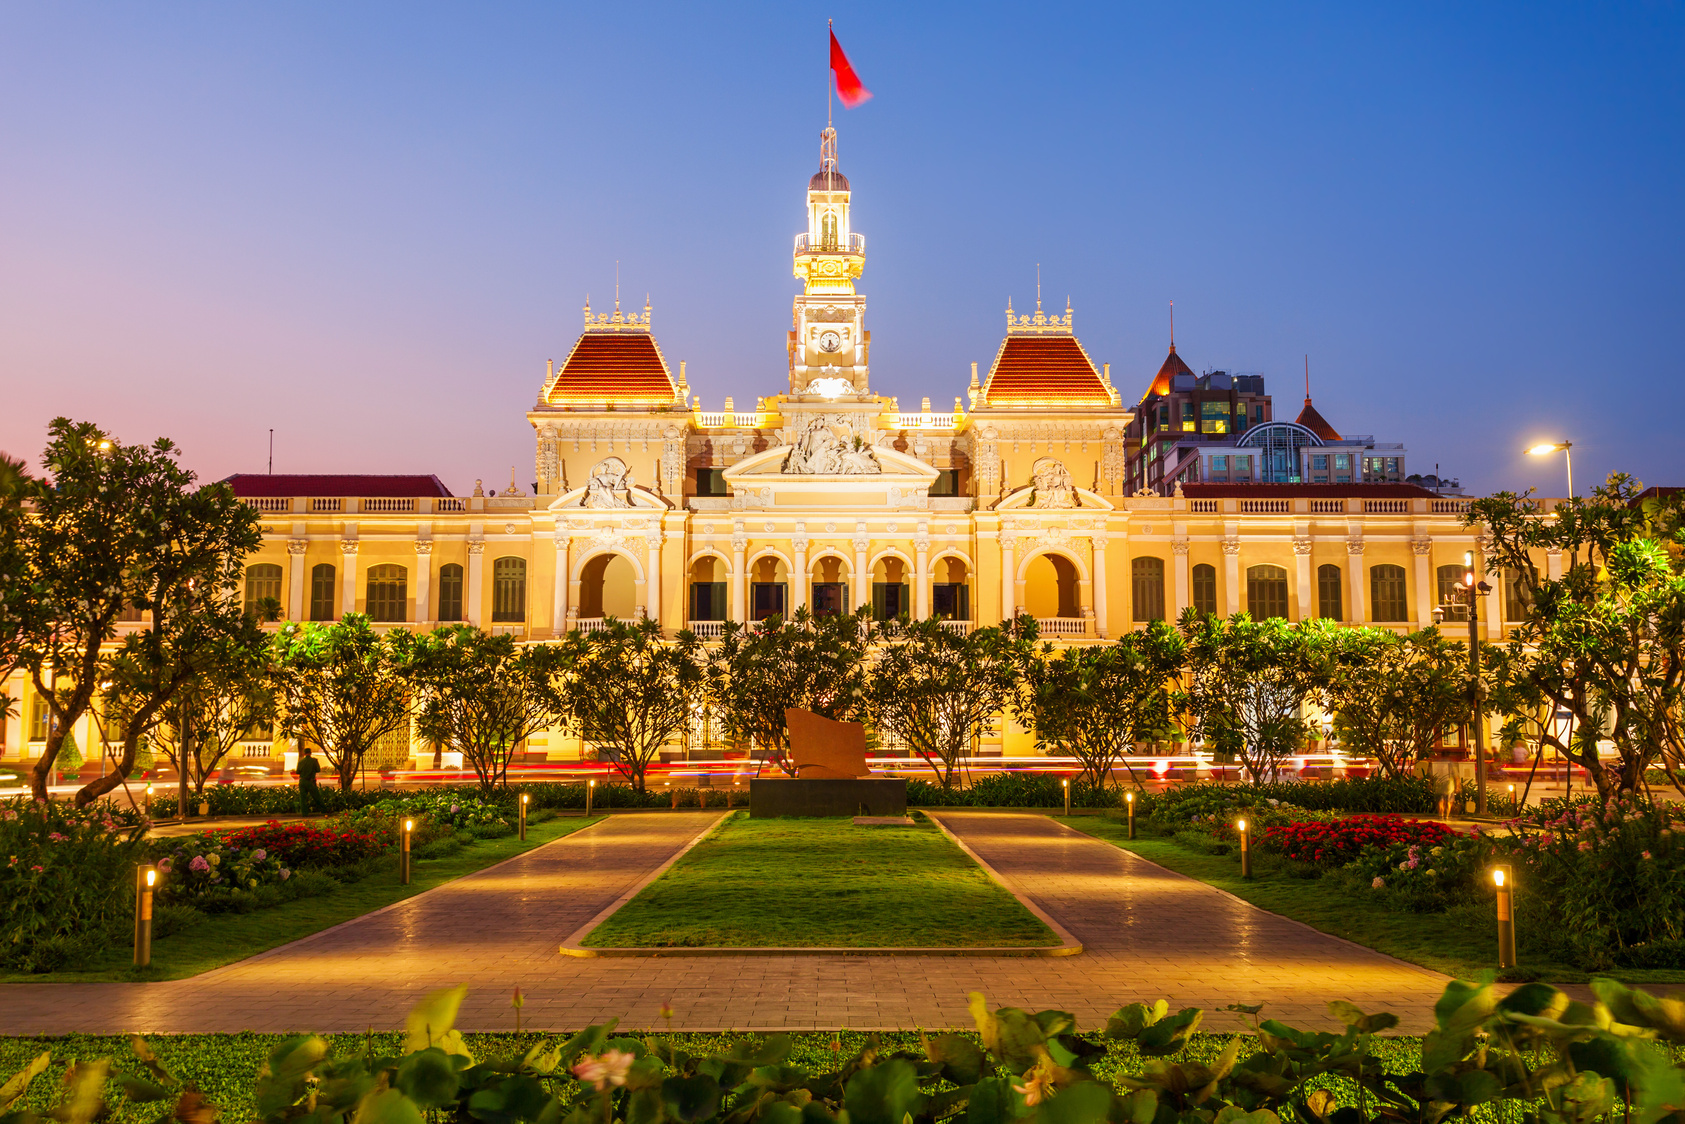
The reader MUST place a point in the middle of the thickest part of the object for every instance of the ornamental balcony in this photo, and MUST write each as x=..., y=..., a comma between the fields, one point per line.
x=853, y=245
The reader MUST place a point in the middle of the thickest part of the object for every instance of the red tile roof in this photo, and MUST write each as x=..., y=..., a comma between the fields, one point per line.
x=613, y=367
x=1307, y=491
x=250, y=485
x=1313, y=421
x=1052, y=369
x=1173, y=366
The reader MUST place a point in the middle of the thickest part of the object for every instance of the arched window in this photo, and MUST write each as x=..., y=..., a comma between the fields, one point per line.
x=1451, y=597
x=322, y=585
x=509, y=589
x=1387, y=593
x=262, y=581
x=387, y=596
x=1266, y=592
x=1205, y=590
x=1330, y=603
x=450, y=592
x=828, y=230
x=1518, y=602
x=1148, y=576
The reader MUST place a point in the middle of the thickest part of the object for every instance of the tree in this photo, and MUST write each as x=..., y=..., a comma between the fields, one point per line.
x=1603, y=644
x=117, y=526
x=228, y=702
x=1094, y=703
x=627, y=691
x=1247, y=683
x=932, y=689
x=483, y=695
x=16, y=590
x=341, y=687
x=1390, y=695
x=807, y=662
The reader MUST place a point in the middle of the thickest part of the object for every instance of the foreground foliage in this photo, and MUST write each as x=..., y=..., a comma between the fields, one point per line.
x=1553, y=1060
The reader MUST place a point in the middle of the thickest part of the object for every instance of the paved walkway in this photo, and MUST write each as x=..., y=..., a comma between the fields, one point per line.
x=1149, y=933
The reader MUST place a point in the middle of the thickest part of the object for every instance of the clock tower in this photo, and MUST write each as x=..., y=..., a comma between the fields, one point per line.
x=829, y=345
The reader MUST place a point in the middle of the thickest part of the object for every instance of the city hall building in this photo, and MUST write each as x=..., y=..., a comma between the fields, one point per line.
x=1093, y=501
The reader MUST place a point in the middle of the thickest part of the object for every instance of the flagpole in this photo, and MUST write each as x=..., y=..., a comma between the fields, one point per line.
x=828, y=83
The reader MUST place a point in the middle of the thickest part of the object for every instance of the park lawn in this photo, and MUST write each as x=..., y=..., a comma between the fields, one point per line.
x=226, y=937
x=823, y=883
x=1456, y=942
x=224, y=1066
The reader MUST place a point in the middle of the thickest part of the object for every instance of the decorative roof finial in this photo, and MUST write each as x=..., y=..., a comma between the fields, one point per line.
x=1172, y=325
x=617, y=287
x=1038, y=286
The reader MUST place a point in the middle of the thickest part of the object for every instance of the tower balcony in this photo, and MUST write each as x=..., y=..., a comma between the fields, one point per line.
x=853, y=245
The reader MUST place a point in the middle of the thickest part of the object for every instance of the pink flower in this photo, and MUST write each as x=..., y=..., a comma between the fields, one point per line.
x=1585, y=844
x=1647, y=854
x=36, y=868
x=1378, y=884
x=608, y=1068
x=164, y=865
x=199, y=864
x=259, y=855
x=57, y=837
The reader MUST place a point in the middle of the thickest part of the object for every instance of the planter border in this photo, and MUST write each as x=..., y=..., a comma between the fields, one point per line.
x=1068, y=945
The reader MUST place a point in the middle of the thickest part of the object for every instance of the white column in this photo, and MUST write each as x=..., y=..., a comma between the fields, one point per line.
x=1494, y=609
x=348, y=576
x=862, y=576
x=1231, y=574
x=798, y=575
x=1354, y=571
x=921, y=578
x=1008, y=583
x=298, y=578
x=13, y=722
x=1426, y=587
x=652, y=576
x=739, y=579
x=1100, y=587
x=423, y=580
x=559, y=591
x=1180, y=549
x=1307, y=591
x=476, y=592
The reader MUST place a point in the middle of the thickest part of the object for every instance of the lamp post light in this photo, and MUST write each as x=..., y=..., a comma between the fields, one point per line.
x=1566, y=449
x=590, y=790
x=1245, y=849
x=522, y=810
x=1506, y=915
x=1067, y=786
x=404, y=852
x=146, y=880
x=1129, y=802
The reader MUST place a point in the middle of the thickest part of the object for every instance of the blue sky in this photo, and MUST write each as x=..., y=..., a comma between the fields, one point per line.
x=369, y=225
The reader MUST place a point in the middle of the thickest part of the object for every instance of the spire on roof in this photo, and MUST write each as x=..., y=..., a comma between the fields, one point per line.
x=1309, y=418
x=1172, y=367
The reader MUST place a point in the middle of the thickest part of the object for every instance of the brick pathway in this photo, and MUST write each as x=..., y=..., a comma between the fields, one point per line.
x=1150, y=934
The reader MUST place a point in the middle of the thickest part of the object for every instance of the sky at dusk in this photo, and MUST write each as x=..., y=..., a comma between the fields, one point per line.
x=368, y=226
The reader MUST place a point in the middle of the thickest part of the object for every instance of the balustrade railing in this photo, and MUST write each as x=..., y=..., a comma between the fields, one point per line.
x=1067, y=628
x=851, y=244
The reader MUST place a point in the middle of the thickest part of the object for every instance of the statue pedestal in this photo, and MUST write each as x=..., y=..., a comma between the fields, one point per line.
x=854, y=796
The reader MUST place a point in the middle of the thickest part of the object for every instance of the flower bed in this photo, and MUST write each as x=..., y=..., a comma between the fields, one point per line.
x=303, y=844
x=1331, y=843
x=67, y=880
x=1427, y=876
x=199, y=869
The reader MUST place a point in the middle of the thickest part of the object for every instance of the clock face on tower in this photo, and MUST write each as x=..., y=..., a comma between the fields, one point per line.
x=830, y=342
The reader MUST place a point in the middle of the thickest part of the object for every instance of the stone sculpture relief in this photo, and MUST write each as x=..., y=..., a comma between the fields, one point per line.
x=1054, y=487
x=610, y=481
x=829, y=446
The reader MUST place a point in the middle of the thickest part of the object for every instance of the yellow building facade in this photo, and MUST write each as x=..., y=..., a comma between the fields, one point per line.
x=832, y=495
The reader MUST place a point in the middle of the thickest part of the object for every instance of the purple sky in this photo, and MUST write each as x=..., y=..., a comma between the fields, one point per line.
x=369, y=225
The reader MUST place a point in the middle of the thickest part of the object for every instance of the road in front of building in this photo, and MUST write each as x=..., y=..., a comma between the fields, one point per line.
x=1149, y=934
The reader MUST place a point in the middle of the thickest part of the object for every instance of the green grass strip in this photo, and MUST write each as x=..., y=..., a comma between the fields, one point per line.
x=823, y=883
x=1460, y=942
x=223, y=938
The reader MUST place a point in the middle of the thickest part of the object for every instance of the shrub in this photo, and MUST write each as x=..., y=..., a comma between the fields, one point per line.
x=1331, y=843
x=1611, y=877
x=1426, y=878
x=303, y=844
x=67, y=880
x=1012, y=790
x=213, y=875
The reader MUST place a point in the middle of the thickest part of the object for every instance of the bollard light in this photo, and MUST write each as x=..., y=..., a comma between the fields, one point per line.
x=522, y=811
x=404, y=852
x=1245, y=850
x=590, y=790
x=1067, y=784
x=1505, y=886
x=1129, y=799
x=146, y=880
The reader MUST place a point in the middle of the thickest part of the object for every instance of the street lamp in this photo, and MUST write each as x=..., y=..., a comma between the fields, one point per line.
x=1563, y=447
x=1471, y=591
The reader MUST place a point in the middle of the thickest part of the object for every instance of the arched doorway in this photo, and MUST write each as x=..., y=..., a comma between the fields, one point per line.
x=608, y=588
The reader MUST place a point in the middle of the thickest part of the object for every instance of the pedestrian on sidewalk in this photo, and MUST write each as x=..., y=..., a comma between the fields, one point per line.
x=308, y=798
